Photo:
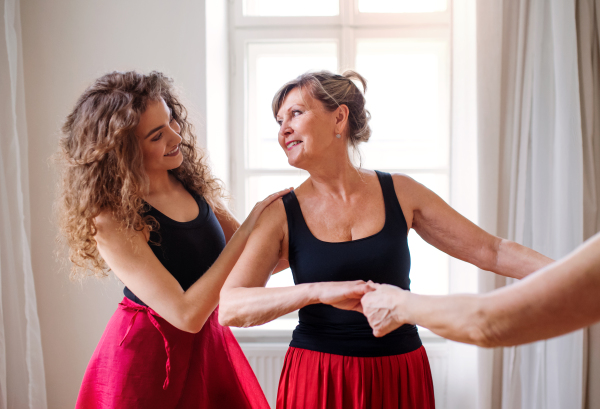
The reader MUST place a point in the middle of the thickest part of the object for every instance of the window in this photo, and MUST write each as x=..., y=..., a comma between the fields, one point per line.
x=401, y=47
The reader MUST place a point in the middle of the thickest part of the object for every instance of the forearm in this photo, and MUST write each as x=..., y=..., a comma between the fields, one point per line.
x=517, y=261
x=555, y=300
x=201, y=299
x=459, y=318
x=247, y=307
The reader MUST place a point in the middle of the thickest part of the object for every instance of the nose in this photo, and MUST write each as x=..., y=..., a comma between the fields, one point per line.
x=285, y=129
x=174, y=130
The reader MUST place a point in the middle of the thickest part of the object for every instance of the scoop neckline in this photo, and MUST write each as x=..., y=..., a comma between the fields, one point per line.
x=190, y=223
x=385, y=223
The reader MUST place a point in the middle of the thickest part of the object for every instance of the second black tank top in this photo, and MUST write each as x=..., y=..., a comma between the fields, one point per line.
x=383, y=258
x=185, y=249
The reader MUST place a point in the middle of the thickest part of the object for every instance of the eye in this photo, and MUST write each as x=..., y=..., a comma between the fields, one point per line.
x=279, y=122
x=157, y=137
x=296, y=112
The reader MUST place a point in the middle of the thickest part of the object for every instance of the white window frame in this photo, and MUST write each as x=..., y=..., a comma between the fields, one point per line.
x=343, y=29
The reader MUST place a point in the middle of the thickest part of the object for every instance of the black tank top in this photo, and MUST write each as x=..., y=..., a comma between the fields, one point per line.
x=382, y=257
x=186, y=249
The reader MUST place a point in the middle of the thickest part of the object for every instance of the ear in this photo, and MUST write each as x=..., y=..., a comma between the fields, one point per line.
x=341, y=118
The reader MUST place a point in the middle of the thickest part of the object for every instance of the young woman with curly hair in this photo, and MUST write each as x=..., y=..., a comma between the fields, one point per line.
x=138, y=198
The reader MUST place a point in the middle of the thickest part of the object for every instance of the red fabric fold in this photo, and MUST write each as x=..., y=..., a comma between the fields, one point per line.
x=318, y=380
x=205, y=370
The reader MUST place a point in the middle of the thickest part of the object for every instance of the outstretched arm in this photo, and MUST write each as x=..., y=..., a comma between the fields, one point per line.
x=244, y=300
x=131, y=259
x=556, y=300
x=443, y=227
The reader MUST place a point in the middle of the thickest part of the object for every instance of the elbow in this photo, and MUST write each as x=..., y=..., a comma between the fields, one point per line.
x=481, y=329
x=190, y=319
x=190, y=324
x=487, y=258
x=227, y=314
x=225, y=318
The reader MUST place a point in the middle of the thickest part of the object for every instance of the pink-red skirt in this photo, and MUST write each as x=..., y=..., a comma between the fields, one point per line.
x=318, y=380
x=142, y=361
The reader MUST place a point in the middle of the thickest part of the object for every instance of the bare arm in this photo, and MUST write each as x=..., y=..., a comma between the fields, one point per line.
x=556, y=300
x=230, y=225
x=244, y=300
x=443, y=227
x=130, y=257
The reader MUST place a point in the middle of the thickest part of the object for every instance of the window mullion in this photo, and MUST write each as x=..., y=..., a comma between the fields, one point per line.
x=347, y=52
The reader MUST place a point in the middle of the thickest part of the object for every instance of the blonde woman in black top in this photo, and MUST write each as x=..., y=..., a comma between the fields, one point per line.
x=343, y=226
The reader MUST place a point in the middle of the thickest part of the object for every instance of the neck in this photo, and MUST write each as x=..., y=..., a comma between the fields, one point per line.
x=161, y=183
x=336, y=178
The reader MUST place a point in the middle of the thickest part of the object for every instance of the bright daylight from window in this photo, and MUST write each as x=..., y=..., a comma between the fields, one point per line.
x=331, y=7
x=407, y=94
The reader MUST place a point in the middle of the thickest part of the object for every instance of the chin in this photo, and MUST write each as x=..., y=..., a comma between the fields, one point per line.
x=296, y=163
x=176, y=164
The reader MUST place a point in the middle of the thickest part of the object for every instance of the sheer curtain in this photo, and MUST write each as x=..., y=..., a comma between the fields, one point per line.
x=22, y=383
x=534, y=101
x=588, y=35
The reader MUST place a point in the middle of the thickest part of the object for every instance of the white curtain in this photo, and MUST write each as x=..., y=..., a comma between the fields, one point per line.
x=534, y=101
x=546, y=192
x=588, y=30
x=22, y=382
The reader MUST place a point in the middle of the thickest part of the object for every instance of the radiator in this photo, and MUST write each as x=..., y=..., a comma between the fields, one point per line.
x=266, y=359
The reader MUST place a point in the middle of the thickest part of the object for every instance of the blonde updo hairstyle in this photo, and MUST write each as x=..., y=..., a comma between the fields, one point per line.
x=333, y=90
x=101, y=162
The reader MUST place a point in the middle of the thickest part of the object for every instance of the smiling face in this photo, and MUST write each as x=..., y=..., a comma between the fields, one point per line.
x=158, y=134
x=307, y=130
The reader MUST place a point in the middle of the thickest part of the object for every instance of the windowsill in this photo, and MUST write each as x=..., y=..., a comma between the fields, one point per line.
x=280, y=330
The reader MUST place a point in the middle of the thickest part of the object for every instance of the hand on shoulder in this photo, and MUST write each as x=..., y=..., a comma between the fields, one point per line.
x=267, y=213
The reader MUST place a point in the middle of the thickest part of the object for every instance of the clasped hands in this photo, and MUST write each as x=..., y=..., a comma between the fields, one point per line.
x=384, y=305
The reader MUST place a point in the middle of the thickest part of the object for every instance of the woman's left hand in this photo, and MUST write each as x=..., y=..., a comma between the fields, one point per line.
x=345, y=295
x=385, y=308
x=258, y=208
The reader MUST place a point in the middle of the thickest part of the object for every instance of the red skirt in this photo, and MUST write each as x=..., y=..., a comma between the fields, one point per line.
x=318, y=380
x=142, y=361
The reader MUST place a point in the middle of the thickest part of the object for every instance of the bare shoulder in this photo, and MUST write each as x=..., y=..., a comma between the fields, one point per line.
x=109, y=229
x=106, y=223
x=273, y=218
x=405, y=184
x=413, y=192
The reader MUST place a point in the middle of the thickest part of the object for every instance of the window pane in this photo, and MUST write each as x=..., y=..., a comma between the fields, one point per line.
x=291, y=8
x=270, y=66
x=259, y=187
x=401, y=6
x=407, y=96
x=429, y=266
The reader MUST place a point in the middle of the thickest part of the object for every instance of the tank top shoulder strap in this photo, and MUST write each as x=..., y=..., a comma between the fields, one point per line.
x=296, y=225
x=392, y=205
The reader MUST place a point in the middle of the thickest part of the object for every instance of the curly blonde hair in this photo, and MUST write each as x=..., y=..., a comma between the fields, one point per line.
x=102, y=168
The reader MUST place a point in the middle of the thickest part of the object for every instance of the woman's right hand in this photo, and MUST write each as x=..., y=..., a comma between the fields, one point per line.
x=385, y=308
x=259, y=207
x=345, y=295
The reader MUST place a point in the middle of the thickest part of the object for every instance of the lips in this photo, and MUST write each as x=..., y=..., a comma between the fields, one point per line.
x=174, y=152
x=291, y=144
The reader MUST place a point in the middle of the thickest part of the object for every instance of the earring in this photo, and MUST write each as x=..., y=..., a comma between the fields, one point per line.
x=338, y=136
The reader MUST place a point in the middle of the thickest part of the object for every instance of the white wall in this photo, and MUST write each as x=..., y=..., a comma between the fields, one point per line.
x=66, y=45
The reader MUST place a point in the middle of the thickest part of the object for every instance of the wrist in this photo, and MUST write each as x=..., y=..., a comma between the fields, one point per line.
x=403, y=304
x=313, y=293
x=244, y=231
